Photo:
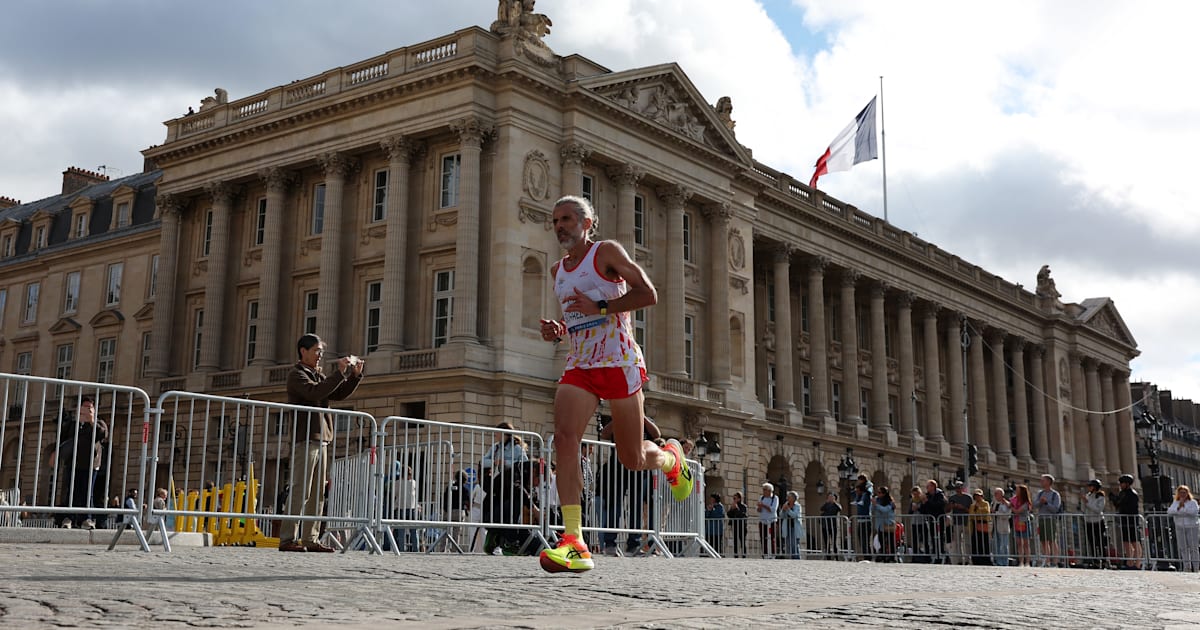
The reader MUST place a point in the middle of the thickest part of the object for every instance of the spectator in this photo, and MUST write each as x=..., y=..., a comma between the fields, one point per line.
x=768, y=508
x=131, y=503
x=980, y=525
x=476, y=533
x=407, y=508
x=862, y=519
x=932, y=508
x=307, y=385
x=1187, y=528
x=960, y=505
x=552, y=502
x=714, y=522
x=738, y=511
x=883, y=515
x=617, y=482
x=1002, y=527
x=1022, y=507
x=80, y=456
x=830, y=510
x=1128, y=508
x=792, y=516
x=507, y=449
x=1048, y=505
x=457, y=502
x=159, y=504
x=1095, y=548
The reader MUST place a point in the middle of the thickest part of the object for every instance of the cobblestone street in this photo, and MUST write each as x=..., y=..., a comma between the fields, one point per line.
x=73, y=586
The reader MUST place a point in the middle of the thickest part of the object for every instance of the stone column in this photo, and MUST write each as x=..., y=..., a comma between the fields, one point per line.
x=1020, y=408
x=675, y=197
x=1002, y=441
x=1095, y=419
x=1083, y=448
x=1041, y=437
x=879, y=380
x=464, y=324
x=819, y=355
x=626, y=177
x=954, y=379
x=337, y=168
x=979, y=406
x=277, y=181
x=1112, y=437
x=161, y=335
x=400, y=150
x=851, y=396
x=1127, y=439
x=573, y=156
x=933, y=378
x=216, y=281
x=904, y=338
x=785, y=376
x=719, y=345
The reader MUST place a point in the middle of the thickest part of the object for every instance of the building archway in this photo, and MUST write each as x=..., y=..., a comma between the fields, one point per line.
x=816, y=486
x=779, y=473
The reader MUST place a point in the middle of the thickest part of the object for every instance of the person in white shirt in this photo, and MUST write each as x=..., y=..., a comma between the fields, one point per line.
x=476, y=534
x=404, y=498
x=768, y=514
x=1187, y=528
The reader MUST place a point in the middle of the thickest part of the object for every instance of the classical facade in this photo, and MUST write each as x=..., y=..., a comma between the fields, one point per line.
x=400, y=206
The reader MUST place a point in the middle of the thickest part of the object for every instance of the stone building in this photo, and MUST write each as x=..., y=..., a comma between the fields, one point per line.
x=399, y=207
x=1179, y=453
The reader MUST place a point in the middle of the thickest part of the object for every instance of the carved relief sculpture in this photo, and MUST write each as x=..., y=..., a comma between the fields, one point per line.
x=737, y=250
x=516, y=19
x=535, y=178
x=725, y=112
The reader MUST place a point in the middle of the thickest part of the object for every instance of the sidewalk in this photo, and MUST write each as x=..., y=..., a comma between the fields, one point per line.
x=72, y=585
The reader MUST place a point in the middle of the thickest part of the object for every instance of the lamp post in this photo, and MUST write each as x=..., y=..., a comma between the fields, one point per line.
x=847, y=471
x=1150, y=429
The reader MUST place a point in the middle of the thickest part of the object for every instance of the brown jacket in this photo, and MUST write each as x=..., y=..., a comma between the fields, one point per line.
x=306, y=386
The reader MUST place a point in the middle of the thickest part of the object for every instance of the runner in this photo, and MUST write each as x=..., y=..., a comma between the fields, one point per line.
x=598, y=286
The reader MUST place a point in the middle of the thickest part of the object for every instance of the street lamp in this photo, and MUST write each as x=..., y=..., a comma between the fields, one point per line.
x=847, y=471
x=1150, y=429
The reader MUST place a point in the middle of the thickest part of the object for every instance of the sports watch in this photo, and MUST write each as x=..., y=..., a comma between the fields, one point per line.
x=603, y=306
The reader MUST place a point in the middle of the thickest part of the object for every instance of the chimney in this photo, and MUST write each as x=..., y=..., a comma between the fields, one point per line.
x=76, y=179
x=8, y=202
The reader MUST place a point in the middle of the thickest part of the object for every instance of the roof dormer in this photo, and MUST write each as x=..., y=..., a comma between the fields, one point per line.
x=81, y=217
x=40, y=236
x=122, y=204
x=9, y=228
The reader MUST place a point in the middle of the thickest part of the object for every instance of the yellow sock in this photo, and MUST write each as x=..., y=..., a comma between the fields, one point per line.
x=573, y=520
x=669, y=459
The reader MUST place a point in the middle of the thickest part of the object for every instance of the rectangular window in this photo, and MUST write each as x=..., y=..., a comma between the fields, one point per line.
x=450, y=166
x=771, y=385
x=260, y=222
x=122, y=214
x=837, y=401
x=251, y=330
x=206, y=244
x=25, y=363
x=835, y=329
x=892, y=411
x=443, y=306
x=374, y=315
x=153, y=289
x=639, y=220
x=687, y=237
x=71, y=293
x=106, y=363
x=146, y=345
x=379, y=210
x=887, y=340
x=113, y=294
x=3, y=305
x=32, y=290
x=8, y=245
x=310, y=312
x=689, y=345
x=64, y=357
x=806, y=393
x=589, y=188
x=39, y=241
x=863, y=325
x=197, y=336
x=804, y=313
x=864, y=405
x=81, y=221
x=639, y=328
x=770, y=296
x=318, y=210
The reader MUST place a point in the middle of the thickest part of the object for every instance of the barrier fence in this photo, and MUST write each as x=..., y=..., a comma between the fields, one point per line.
x=72, y=464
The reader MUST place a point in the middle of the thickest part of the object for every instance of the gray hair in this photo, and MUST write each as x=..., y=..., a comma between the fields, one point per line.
x=583, y=210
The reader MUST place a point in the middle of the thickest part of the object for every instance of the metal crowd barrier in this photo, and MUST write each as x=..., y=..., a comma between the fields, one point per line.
x=228, y=456
x=469, y=481
x=60, y=467
x=680, y=524
x=1172, y=547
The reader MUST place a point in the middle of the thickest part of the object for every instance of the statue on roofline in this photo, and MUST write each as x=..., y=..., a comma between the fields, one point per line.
x=516, y=19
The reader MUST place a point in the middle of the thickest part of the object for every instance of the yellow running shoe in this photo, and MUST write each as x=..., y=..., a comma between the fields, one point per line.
x=680, y=475
x=571, y=554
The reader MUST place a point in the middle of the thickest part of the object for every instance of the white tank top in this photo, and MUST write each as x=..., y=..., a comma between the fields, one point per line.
x=596, y=340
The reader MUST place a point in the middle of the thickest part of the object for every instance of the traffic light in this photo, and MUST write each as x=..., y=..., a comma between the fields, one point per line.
x=972, y=460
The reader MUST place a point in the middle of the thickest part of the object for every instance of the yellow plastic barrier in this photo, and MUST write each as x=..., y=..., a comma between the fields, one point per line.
x=242, y=531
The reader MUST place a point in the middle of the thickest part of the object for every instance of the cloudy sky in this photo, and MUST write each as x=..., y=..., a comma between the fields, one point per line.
x=1018, y=133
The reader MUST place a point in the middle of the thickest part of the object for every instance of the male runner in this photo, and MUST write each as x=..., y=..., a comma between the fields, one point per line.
x=598, y=285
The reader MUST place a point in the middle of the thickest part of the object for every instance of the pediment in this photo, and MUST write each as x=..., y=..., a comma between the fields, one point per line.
x=65, y=326
x=41, y=214
x=124, y=190
x=82, y=202
x=111, y=317
x=145, y=313
x=1101, y=315
x=666, y=96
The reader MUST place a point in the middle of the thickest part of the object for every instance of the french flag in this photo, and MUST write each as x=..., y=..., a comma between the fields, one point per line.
x=856, y=143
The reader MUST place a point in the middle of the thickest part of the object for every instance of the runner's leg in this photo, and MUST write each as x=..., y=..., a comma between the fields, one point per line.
x=635, y=452
x=573, y=407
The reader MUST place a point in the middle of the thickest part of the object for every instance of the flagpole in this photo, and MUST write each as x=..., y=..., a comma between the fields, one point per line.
x=883, y=147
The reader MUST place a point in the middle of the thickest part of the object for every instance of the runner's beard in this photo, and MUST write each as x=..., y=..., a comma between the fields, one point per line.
x=568, y=241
